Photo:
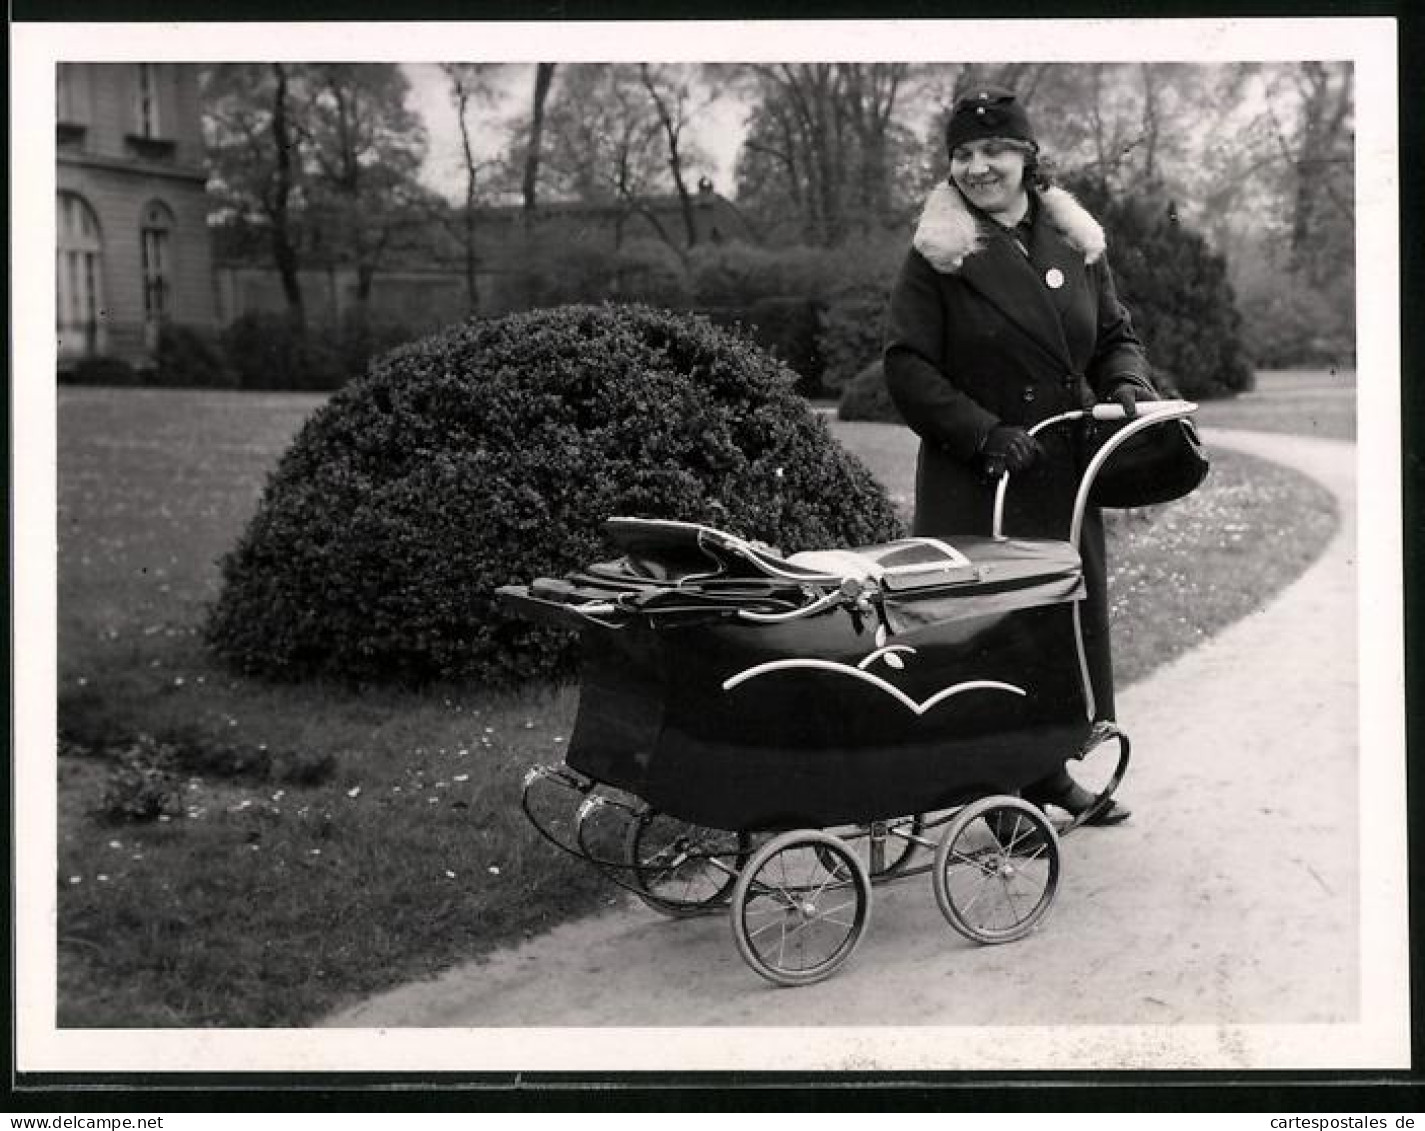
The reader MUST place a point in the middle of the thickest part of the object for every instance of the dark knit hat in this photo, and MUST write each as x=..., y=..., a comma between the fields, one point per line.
x=987, y=111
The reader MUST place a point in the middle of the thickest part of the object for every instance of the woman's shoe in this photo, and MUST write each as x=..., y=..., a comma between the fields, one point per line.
x=1075, y=800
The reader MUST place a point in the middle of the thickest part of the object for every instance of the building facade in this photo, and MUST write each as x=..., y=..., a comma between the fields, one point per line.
x=133, y=248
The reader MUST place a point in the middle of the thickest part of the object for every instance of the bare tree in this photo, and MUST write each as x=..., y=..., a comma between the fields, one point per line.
x=469, y=87
x=669, y=90
x=824, y=139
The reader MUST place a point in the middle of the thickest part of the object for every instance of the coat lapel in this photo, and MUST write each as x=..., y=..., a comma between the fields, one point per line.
x=1006, y=279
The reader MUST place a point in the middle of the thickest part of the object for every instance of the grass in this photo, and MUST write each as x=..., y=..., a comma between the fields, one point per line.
x=325, y=842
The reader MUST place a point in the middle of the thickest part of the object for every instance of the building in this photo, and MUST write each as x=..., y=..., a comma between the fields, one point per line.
x=133, y=249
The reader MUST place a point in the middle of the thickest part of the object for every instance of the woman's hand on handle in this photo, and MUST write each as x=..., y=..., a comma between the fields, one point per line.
x=1008, y=448
x=1127, y=396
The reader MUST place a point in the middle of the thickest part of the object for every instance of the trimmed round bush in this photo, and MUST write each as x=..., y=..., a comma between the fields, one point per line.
x=492, y=453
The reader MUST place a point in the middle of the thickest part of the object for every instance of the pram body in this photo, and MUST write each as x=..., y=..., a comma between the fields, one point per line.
x=746, y=723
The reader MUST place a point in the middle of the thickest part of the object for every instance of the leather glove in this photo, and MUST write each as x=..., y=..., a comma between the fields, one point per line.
x=1128, y=395
x=1008, y=448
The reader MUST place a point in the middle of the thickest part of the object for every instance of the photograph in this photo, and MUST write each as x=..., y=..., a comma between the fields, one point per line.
x=849, y=546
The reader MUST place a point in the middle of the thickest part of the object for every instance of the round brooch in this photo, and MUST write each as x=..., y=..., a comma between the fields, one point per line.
x=1054, y=277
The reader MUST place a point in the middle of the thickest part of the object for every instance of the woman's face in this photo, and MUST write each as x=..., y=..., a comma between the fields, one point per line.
x=990, y=172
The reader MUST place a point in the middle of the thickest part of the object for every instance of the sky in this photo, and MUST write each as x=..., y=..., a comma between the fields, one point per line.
x=718, y=128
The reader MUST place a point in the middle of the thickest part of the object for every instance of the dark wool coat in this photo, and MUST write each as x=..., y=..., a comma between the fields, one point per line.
x=977, y=336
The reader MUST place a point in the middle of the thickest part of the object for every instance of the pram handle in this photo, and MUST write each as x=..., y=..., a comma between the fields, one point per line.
x=1149, y=413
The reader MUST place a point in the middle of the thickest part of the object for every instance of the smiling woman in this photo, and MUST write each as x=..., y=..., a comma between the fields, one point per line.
x=1005, y=315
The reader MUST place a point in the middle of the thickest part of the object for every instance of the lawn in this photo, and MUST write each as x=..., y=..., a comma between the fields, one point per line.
x=319, y=842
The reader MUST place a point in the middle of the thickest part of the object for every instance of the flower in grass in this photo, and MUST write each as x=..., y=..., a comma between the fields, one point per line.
x=493, y=869
x=102, y=878
x=116, y=844
x=462, y=777
x=449, y=874
x=354, y=791
x=76, y=879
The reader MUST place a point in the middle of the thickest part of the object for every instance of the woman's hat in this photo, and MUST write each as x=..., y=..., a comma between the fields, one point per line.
x=987, y=111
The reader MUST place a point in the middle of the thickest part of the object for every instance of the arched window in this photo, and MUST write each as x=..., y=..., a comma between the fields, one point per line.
x=156, y=236
x=79, y=275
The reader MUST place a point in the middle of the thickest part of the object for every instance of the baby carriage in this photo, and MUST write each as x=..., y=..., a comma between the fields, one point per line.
x=775, y=734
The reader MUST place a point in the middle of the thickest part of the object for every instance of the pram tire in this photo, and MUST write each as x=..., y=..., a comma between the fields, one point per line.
x=800, y=907
x=680, y=869
x=996, y=869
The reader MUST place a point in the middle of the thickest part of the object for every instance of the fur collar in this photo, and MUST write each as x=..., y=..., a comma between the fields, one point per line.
x=948, y=232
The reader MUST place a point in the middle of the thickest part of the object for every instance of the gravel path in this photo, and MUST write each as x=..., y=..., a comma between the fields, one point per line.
x=1228, y=904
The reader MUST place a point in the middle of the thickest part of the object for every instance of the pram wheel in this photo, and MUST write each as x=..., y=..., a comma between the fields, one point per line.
x=800, y=907
x=997, y=869
x=680, y=869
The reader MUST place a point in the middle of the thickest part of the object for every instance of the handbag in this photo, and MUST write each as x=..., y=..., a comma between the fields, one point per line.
x=1159, y=464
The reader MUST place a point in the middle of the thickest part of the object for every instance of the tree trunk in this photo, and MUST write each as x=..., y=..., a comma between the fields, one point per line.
x=1150, y=124
x=671, y=132
x=472, y=283
x=543, y=77
x=283, y=250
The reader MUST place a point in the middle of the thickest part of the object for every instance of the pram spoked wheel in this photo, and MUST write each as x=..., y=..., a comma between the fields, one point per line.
x=997, y=869
x=680, y=869
x=800, y=907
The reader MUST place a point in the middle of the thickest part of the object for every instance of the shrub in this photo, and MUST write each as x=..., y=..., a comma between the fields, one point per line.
x=1289, y=322
x=867, y=397
x=491, y=453
x=739, y=274
x=100, y=371
x=184, y=357
x=1177, y=290
x=736, y=275
x=274, y=351
x=143, y=786
x=573, y=272
x=850, y=334
x=785, y=328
